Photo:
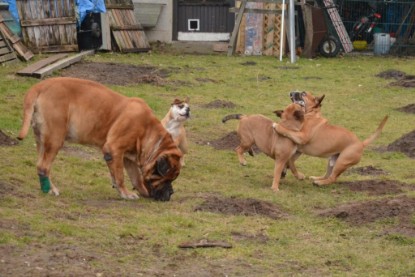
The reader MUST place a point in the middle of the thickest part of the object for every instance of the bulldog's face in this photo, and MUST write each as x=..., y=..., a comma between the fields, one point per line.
x=306, y=100
x=158, y=180
x=180, y=109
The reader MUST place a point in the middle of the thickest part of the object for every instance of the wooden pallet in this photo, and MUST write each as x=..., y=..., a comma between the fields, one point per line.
x=127, y=32
x=272, y=31
x=15, y=41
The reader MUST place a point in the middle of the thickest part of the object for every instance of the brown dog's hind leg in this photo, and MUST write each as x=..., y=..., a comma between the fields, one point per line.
x=47, y=150
x=116, y=167
x=346, y=159
x=240, y=150
x=330, y=165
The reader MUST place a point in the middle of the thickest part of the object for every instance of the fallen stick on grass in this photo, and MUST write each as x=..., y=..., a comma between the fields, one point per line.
x=205, y=243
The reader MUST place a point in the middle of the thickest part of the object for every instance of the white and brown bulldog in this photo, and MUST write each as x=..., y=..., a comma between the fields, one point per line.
x=126, y=130
x=174, y=123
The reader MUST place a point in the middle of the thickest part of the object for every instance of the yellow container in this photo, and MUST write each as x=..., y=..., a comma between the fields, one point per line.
x=360, y=44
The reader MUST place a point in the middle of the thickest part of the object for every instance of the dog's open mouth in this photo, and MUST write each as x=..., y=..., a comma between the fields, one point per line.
x=297, y=98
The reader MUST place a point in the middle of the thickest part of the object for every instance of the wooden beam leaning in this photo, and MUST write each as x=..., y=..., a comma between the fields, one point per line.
x=238, y=20
x=260, y=11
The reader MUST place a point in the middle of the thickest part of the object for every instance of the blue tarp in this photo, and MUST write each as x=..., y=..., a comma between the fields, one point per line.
x=84, y=7
x=12, y=9
x=88, y=6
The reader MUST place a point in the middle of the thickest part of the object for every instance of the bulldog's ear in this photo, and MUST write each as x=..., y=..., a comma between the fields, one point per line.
x=278, y=113
x=187, y=100
x=176, y=102
x=299, y=115
x=163, y=166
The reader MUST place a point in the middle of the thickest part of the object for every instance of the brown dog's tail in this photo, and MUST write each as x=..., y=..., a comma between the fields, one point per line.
x=377, y=133
x=231, y=116
x=28, y=108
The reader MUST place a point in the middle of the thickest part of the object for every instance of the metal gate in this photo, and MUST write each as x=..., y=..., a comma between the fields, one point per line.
x=48, y=26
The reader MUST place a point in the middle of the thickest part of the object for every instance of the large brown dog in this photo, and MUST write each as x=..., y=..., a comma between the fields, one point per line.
x=126, y=130
x=257, y=129
x=174, y=121
x=319, y=138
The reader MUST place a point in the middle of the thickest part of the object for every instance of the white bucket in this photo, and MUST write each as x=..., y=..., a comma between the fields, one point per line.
x=382, y=43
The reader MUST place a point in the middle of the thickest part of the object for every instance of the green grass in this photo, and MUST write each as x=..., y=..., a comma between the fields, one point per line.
x=89, y=221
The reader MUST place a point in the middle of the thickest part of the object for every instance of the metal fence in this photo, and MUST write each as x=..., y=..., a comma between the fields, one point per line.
x=384, y=26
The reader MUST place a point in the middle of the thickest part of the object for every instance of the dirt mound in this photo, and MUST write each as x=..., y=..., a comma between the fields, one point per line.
x=377, y=187
x=5, y=140
x=402, y=80
x=229, y=141
x=219, y=104
x=405, y=144
x=367, y=171
x=116, y=74
x=239, y=206
x=370, y=211
x=408, y=108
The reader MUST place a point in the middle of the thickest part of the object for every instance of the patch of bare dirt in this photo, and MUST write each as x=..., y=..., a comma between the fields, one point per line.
x=6, y=140
x=367, y=171
x=229, y=141
x=401, y=207
x=116, y=73
x=219, y=104
x=408, y=108
x=377, y=187
x=85, y=153
x=239, y=206
x=402, y=80
x=405, y=144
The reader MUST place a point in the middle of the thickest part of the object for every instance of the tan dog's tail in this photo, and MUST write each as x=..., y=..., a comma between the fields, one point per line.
x=231, y=116
x=377, y=133
x=28, y=108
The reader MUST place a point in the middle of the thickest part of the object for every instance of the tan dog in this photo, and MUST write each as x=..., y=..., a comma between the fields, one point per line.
x=319, y=138
x=174, y=123
x=126, y=130
x=257, y=129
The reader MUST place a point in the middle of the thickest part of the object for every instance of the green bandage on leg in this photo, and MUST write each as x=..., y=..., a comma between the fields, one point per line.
x=44, y=183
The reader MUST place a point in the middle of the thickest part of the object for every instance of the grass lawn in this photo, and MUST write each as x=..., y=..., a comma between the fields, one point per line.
x=364, y=225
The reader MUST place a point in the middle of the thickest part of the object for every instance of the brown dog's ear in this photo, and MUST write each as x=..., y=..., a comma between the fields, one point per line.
x=163, y=166
x=278, y=113
x=187, y=100
x=299, y=115
x=319, y=100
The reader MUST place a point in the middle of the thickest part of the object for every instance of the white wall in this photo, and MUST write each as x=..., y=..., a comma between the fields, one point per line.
x=163, y=31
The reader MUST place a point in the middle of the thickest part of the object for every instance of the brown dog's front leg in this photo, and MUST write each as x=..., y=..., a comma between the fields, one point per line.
x=136, y=177
x=115, y=166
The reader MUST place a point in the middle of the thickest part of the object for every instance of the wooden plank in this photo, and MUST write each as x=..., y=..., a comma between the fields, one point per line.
x=27, y=71
x=8, y=57
x=61, y=64
x=127, y=28
x=259, y=11
x=236, y=28
x=48, y=21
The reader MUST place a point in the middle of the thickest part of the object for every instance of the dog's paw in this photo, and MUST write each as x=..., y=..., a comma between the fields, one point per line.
x=274, y=125
x=275, y=189
x=300, y=176
x=130, y=195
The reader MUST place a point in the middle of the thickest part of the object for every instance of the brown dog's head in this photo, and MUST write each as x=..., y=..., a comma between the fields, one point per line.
x=308, y=101
x=158, y=178
x=292, y=116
